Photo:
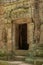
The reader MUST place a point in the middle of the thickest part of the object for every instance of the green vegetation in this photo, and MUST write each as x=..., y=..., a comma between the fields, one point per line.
x=3, y=63
x=7, y=55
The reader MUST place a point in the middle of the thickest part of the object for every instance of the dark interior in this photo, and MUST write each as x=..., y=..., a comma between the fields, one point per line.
x=23, y=37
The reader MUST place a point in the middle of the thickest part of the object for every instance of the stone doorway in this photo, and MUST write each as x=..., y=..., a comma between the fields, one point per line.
x=22, y=37
x=27, y=26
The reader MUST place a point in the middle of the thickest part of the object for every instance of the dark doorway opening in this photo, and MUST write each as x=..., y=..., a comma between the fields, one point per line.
x=22, y=41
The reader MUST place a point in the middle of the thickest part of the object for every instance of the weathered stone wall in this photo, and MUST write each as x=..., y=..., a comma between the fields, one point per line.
x=15, y=10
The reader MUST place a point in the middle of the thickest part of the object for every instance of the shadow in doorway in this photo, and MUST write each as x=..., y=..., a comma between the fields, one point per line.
x=23, y=37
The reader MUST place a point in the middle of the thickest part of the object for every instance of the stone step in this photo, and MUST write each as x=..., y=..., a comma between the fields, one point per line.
x=40, y=48
x=38, y=61
x=39, y=53
x=35, y=61
x=18, y=63
x=30, y=60
x=19, y=58
x=41, y=45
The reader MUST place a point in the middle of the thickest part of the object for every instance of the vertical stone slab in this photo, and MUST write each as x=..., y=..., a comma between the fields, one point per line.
x=13, y=37
x=17, y=36
x=1, y=37
x=30, y=30
x=41, y=34
x=37, y=21
x=9, y=41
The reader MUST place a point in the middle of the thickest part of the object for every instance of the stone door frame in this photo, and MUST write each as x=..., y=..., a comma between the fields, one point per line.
x=30, y=27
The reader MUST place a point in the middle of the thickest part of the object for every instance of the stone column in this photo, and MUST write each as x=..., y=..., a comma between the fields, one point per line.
x=30, y=30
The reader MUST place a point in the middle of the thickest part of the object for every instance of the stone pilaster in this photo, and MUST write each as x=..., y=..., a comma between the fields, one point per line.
x=37, y=22
x=30, y=30
x=13, y=37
